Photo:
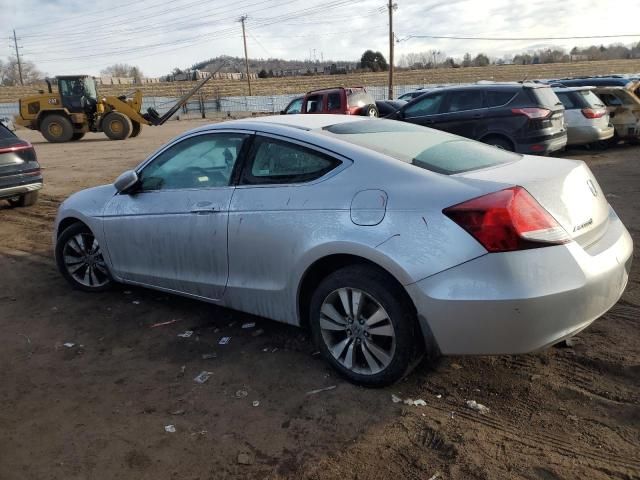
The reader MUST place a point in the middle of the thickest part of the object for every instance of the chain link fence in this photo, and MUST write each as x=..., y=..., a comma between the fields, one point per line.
x=200, y=106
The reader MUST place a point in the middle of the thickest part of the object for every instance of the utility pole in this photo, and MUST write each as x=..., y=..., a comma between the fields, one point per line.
x=392, y=6
x=15, y=42
x=246, y=58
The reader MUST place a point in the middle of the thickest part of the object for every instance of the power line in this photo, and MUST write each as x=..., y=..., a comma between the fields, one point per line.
x=200, y=38
x=516, y=39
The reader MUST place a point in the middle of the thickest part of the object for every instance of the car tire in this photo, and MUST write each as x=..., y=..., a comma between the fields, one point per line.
x=116, y=126
x=370, y=111
x=373, y=354
x=24, y=200
x=56, y=128
x=499, y=142
x=77, y=136
x=80, y=261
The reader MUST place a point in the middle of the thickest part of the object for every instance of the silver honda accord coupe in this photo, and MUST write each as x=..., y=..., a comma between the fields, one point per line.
x=388, y=240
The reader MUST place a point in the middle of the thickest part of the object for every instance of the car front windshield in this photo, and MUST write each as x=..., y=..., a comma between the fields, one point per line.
x=419, y=146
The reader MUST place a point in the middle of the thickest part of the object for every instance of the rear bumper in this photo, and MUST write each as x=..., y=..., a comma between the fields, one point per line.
x=519, y=302
x=588, y=134
x=8, y=192
x=626, y=131
x=542, y=145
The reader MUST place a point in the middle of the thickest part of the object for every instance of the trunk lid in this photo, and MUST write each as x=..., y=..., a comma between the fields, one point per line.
x=565, y=188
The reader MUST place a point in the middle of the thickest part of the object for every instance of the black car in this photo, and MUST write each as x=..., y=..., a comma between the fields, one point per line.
x=20, y=176
x=521, y=117
x=387, y=107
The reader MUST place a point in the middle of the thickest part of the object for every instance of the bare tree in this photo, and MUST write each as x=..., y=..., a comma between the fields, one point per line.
x=123, y=70
x=10, y=74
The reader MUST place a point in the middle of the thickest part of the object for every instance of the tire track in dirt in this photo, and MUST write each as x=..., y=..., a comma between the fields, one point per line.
x=609, y=463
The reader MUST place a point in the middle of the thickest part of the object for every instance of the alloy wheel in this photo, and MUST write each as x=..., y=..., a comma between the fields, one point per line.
x=83, y=260
x=357, y=331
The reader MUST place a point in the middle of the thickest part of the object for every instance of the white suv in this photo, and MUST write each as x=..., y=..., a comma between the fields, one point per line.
x=586, y=116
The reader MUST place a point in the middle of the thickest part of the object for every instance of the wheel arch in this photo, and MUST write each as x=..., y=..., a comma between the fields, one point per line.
x=66, y=223
x=326, y=265
x=500, y=135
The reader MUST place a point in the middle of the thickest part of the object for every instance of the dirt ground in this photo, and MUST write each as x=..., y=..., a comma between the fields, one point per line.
x=98, y=410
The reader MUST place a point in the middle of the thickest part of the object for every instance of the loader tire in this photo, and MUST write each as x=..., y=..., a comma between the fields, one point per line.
x=116, y=126
x=56, y=128
x=136, y=128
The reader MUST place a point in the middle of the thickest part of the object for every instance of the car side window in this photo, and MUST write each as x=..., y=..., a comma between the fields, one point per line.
x=464, y=100
x=428, y=105
x=610, y=100
x=497, y=98
x=201, y=161
x=334, y=101
x=314, y=104
x=566, y=100
x=295, y=106
x=276, y=162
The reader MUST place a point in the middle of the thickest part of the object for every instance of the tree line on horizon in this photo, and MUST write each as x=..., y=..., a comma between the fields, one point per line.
x=370, y=61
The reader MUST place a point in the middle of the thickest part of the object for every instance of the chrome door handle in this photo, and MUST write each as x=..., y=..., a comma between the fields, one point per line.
x=204, y=210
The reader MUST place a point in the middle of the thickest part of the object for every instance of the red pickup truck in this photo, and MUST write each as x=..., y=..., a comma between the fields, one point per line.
x=340, y=100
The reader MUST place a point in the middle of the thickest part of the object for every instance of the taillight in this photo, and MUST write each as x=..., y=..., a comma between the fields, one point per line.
x=508, y=220
x=594, y=112
x=17, y=148
x=532, y=113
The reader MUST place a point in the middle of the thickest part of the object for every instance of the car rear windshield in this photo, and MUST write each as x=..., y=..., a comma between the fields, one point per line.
x=425, y=148
x=591, y=99
x=359, y=98
x=5, y=132
x=546, y=97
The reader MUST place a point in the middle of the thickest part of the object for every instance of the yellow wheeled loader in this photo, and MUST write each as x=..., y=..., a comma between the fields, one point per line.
x=77, y=108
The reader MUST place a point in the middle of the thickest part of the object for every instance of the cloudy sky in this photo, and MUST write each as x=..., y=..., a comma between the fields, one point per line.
x=78, y=36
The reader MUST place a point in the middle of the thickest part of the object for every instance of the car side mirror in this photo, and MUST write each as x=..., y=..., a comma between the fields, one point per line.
x=126, y=181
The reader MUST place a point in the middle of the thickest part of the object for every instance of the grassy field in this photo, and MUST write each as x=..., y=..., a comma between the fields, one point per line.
x=294, y=85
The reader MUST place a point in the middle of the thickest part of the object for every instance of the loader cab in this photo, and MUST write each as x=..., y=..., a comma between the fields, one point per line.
x=78, y=93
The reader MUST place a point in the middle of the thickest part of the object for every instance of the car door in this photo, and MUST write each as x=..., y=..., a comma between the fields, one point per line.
x=424, y=111
x=463, y=112
x=281, y=207
x=171, y=232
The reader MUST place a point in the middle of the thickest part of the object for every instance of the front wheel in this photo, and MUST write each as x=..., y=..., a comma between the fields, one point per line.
x=116, y=126
x=364, y=325
x=79, y=259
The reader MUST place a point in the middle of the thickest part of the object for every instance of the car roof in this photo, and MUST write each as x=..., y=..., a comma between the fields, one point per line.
x=573, y=89
x=299, y=122
x=335, y=88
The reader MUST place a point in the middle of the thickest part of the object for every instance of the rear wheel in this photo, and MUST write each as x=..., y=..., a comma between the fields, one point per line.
x=24, y=200
x=77, y=136
x=499, y=142
x=371, y=111
x=56, y=128
x=364, y=325
x=116, y=126
x=79, y=259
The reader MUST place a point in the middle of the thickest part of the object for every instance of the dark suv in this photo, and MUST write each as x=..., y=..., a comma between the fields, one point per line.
x=521, y=117
x=20, y=177
x=340, y=100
